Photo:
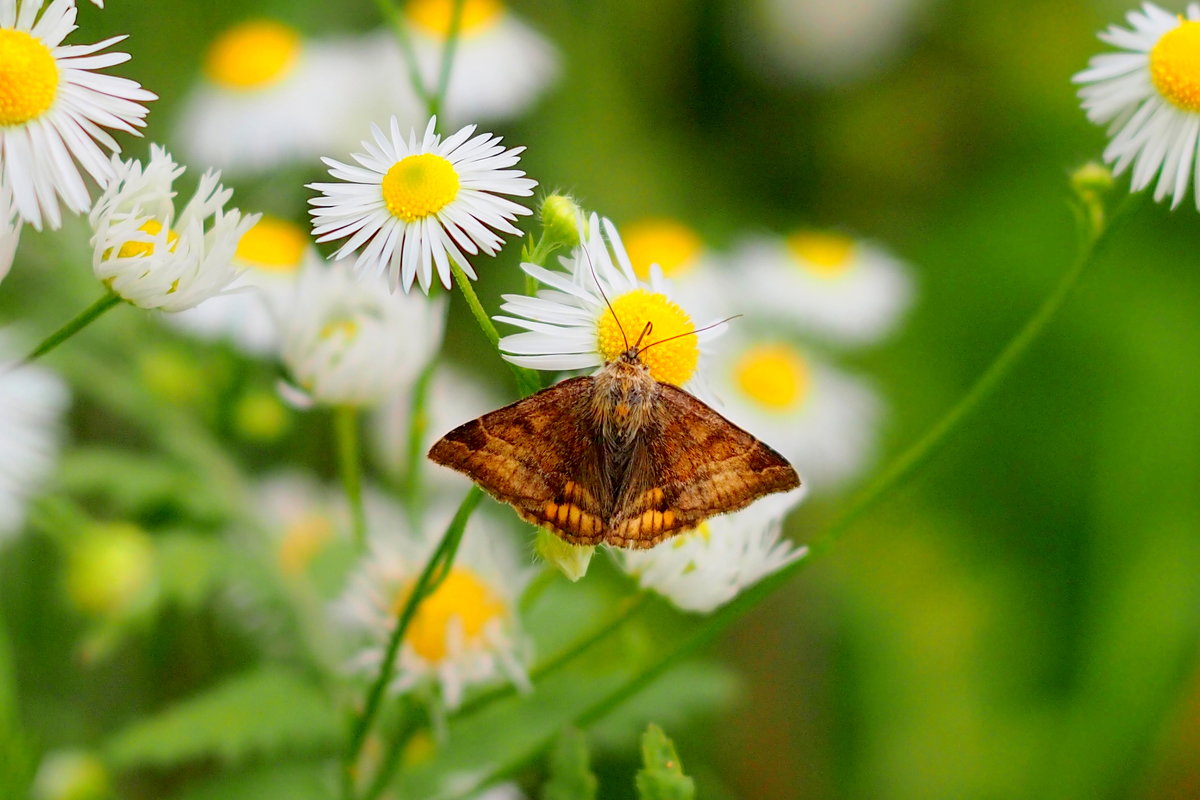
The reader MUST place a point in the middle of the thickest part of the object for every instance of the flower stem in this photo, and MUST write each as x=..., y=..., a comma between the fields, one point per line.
x=527, y=381
x=439, y=96
x=418, y=421
x=345, y=425
x=395, y=17
x=75, y=325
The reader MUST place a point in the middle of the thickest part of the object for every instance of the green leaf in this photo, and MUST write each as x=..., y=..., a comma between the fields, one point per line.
x=289, y=781
x=661, y=777
x=189, y=567
x=265, y=712
x=571, y=775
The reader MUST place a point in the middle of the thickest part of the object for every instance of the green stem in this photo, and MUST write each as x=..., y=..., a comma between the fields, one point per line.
x=409, y=724
x=439, y=96
x=418, y=421
x=527, y=381
x=396, y=18
x=75, y=325
x=345, y=424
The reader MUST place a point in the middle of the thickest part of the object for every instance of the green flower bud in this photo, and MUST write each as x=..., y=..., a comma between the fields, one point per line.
x=571, y=560
x=561, y=218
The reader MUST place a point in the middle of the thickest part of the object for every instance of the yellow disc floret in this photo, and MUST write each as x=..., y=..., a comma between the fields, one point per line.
x=273, y=245
x=826, y=255
x=774, y=376
x=302, y=540
x=670, y=244
x=135, y=249
x=435, y=16
x=418, y=186
x=463, y=599
x=672, y=362
x=1175, y=65
x=28, y=77
x=253, y=55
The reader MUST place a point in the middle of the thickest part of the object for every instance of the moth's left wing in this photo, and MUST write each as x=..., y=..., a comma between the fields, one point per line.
x=699, y=464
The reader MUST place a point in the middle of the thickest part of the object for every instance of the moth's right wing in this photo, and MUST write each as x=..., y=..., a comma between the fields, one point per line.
x=539, y=456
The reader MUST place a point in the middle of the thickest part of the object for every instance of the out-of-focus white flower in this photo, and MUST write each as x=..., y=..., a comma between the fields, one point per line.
x=824, y=421
x=413, y=205
x=706, y=568
x=270, y=96
x=570, y=325
x=847, y=290
x=465, y=633
x=271, y=256
x=10, y=230
x=1149, y=97
x=32, y=402
x=154, y=258
x=301, y=517
x=348, y=341
x=679, y=254
x=54, y=107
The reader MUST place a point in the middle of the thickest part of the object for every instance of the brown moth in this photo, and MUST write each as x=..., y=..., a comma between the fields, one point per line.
x=617, y=458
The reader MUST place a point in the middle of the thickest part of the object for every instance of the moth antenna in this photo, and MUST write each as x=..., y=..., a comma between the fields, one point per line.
x=645, y=332
x=596, y=278
x=708, y=327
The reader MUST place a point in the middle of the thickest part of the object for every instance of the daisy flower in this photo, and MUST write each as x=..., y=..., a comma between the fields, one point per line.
x=349, y=341
x=270, y=256
x=32, y=402
x=847, y=290
x=54, y=107
x=152, y=257
x=10, y=230
x=465, y=633
x=1149, y=97
x=414, y=204
x=570, y=326
x=270, y=96
x=501, y=65
x=680, y=255
x=302, y=518
x=824, y=421
x=703, y=570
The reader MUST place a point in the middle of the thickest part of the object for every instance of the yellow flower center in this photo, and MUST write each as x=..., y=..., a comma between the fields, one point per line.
x=28, y=77
x=774, y=376
x=826, y=255
x=463, y=596
x=1175, y=65
x=253, y=55
x=344, y=328
x=273, y=245
x=303, y=540
x=434, y=16
x=418, y=186
x=670, y=244
x=136, y=249
x=673, y=362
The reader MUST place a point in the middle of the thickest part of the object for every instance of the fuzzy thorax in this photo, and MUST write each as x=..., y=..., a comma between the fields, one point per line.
x=624, y=399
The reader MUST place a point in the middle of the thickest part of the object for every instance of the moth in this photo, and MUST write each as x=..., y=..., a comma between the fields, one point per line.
x=617, y=458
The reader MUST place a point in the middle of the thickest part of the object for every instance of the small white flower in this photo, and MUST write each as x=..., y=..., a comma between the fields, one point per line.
x=465, y=633
x=828, y=284
x=10, y=230
x=571, y=326
x=822, y=420
x=32, y=402
x=501, y=65
x=349, y=341
x=154, y=258
x=413, y=205
x=269, y=97
x=1149, y=97
x=706, y=568
x=271, y=256
x=54, y=107
x=301, y=517
x=670, y=248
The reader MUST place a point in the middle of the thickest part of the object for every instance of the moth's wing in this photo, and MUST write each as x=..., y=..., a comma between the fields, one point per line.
x=699, y=464
x=539, y=456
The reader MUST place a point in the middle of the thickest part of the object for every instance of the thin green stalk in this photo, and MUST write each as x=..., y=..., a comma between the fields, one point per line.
x=426, y=583
x=396, y=18
x=418, y=421
x=439, y=96
x=409, y=724
x=527, y=381
x=74, y=326
x=345, y=425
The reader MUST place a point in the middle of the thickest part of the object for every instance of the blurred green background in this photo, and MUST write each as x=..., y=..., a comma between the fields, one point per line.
x=1021, y=619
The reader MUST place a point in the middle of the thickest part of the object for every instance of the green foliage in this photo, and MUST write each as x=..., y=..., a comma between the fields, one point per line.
x=268, y=711
x=661, y=776
x=571, y=776
x=287, y=781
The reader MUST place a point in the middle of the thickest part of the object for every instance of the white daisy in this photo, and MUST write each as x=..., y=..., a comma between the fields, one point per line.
x=270, y=96
x=271, y=255
x=10, y=230
x=152, y=257
x=466, y=633
x=54, y=107
x=501, y=65
x=1149, y=97
x=32, y=402
x=828, y=284
x=824, y=421
x=412, y=204
x=679, y=253
x=349, y=341
x=302, y=518
x=706, y=568
x=570, y=325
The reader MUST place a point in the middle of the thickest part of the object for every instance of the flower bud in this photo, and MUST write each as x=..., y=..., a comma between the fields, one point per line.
x=109, y=568
x=571, y=560
x=561, y=220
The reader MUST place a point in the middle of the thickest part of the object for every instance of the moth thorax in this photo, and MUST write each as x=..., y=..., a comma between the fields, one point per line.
x=623, y=401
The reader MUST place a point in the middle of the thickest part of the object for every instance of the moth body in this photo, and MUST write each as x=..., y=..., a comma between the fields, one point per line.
x=623, y=401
